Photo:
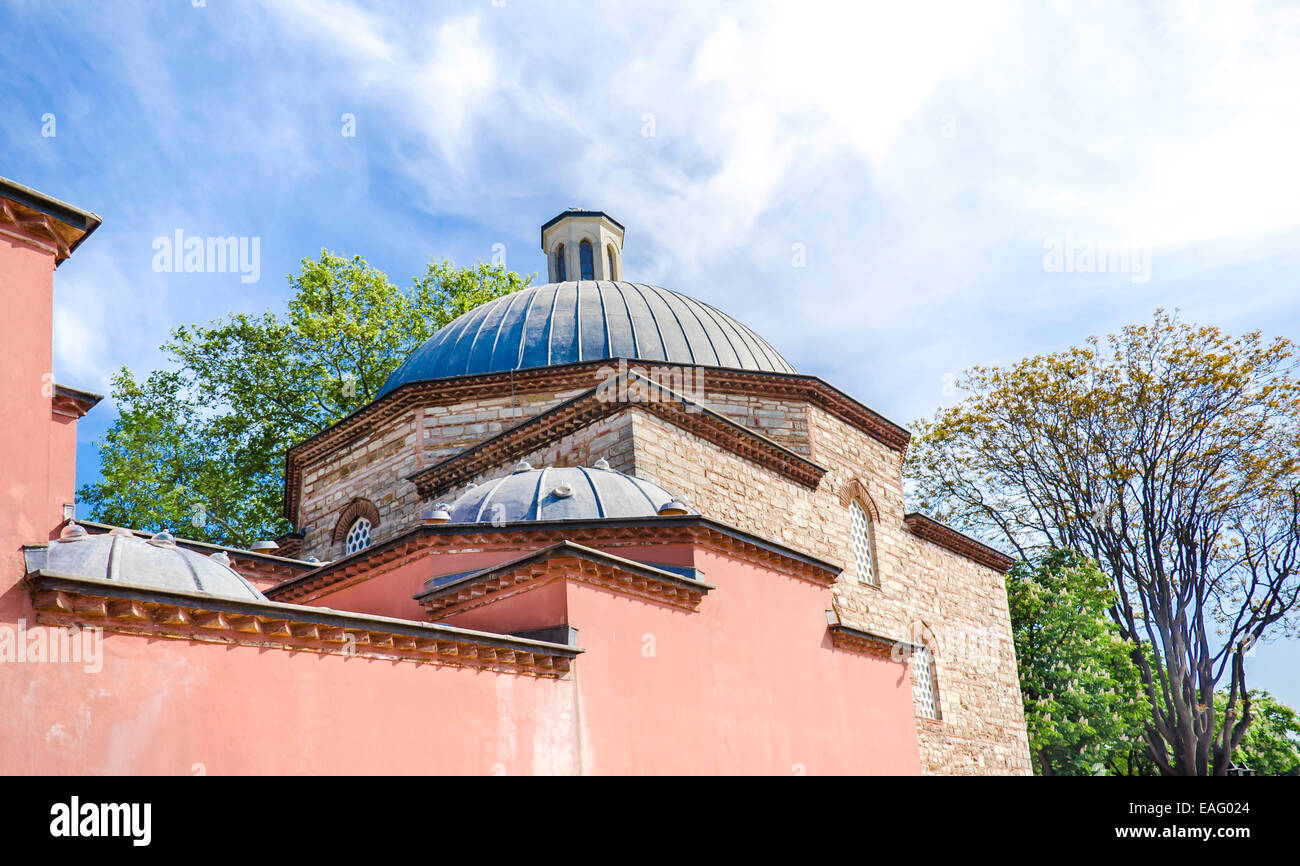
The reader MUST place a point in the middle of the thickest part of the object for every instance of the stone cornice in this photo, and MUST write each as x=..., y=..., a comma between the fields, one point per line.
x=118, y=607
x=591, y=406
x=421, y=541
x=577, y=377
x=944, y=536
x=564, y=561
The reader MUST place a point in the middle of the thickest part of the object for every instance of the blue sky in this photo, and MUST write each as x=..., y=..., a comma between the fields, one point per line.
x=917, y=160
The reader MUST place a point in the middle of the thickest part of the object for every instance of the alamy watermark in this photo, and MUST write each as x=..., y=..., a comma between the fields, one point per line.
x=624, y=384
x=130, y=820
x=40, y=645
x=1081, y=254
x=984, y=651
x=208, y=255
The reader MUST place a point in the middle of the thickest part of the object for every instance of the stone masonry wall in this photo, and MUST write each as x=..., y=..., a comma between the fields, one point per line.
x=375, y=466
x=610, y=439
x=371, y=467
x=782, y=421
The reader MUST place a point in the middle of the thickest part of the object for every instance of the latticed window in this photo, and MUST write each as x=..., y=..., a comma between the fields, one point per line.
x=864, y=554
x=586, y=261
x=924, y=693
x=358, y=537
x=560, y=270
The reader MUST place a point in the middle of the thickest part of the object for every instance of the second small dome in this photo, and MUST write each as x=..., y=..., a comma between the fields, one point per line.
x=559, y=493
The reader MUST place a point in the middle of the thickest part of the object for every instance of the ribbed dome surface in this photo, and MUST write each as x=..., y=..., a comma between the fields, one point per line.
x=562, y=323
x=540, y=494
x=128, y=559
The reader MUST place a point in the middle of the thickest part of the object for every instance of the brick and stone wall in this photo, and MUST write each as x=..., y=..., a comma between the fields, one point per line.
x=375, y=465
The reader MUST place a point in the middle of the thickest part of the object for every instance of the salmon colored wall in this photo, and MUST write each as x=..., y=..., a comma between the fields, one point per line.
x=539, y=606
x=165, y=706
x=26, y=308
x=748, y=683
x=63, y=468
x=391, y=593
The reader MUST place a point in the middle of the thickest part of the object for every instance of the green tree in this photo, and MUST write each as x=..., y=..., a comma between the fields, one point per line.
x=1081, y=690
x=199, y=449
x=1169, y=454
x=1271, y=745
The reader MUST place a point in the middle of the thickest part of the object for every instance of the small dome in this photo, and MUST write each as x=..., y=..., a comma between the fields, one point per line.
x=563, y=323
x=156, y=563
x=559, y=493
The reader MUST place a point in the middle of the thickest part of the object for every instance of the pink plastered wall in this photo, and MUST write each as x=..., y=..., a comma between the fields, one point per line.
x=174, y=707
x=27, y=510
x=748, y=683
x=392, y=593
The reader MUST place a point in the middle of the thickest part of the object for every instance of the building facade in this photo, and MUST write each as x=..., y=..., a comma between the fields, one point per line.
x=594, y=526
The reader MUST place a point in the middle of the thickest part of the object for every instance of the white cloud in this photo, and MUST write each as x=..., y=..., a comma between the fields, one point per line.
x=78, y=348
x=344, y=29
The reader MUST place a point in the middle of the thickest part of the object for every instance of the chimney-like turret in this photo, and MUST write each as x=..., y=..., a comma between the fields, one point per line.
x=38, y=438
x=583, y=245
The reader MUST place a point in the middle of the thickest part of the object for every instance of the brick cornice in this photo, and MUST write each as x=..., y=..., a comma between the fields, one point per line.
x=944, y=536
x=844, y=637
x=563, y=561
x=73, y=402
x=576, y=377
x=42, y=221
x=113, y=606
x=421, y=541
x=594, y=405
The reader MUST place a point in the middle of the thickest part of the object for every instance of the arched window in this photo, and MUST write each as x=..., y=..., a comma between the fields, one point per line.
x=609, y=256
x=356, y=525
x=560, y=270
x=586, y=261
x=925, y=690
x=864, y=550
x=358, y=537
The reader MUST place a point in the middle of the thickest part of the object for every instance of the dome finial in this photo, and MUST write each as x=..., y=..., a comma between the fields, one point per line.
x=72, y=532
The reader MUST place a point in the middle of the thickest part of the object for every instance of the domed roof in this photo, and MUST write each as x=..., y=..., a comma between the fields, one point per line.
x=562, y=323
x=156, y=563
x=560, y=493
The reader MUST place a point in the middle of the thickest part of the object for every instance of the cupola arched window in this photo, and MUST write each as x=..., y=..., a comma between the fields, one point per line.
x=358, y=537
x=560, y=269
x=864, y=549
x=609, y=257
x=356, y=525
x=586, y=261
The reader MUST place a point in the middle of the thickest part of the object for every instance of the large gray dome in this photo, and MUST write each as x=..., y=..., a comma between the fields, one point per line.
x=562, y=323
x=559, y=493
x=123, y=557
